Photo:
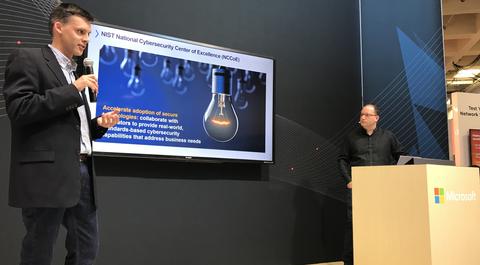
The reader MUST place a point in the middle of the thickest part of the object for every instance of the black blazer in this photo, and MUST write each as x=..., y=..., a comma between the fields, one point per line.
x=45, y=125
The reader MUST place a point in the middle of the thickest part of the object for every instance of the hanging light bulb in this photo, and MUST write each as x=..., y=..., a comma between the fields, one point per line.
x=188, y=73
x=178, y=82
x=220, y=120
x=250, y=86
x=148, y=59
x=204, y=68
x=233, y=71
x=128, y=64
x=108, y=56
x=263, y=78
x=208, y=77
x=167, y=74
x=240, y=98
x=135, y=84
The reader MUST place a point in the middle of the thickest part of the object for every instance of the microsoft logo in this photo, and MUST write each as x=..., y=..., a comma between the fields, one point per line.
x=453, y=196
x=439, y=196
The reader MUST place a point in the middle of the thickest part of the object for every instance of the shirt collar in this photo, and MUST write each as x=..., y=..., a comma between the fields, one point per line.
x=365, y=131
x=66, y=63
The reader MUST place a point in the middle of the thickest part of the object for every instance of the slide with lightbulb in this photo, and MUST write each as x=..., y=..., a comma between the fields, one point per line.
x=181, y=98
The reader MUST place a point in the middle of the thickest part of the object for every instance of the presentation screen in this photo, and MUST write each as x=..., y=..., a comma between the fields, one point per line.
x=180, y=98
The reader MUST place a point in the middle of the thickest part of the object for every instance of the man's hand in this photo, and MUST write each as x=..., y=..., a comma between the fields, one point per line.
x=86, y=81
x=109, y=119
x=349, y=185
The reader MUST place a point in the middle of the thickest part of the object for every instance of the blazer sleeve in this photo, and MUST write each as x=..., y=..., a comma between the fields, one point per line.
x=97, y=131
x=32, y=92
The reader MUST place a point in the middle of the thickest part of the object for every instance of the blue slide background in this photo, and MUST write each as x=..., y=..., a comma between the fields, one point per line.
x=190, y=101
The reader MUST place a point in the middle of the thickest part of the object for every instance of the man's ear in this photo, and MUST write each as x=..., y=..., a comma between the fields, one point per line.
x=57, y=27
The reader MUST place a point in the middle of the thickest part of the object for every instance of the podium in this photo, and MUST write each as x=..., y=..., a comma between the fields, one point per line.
x=416, y=215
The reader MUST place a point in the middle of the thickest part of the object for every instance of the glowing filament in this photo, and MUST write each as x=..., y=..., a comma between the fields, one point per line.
x=221, y=122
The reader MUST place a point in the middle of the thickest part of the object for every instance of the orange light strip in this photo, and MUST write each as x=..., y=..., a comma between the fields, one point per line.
x=221, y=122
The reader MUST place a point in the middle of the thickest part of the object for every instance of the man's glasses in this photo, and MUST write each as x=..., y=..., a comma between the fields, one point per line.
x=367, y=114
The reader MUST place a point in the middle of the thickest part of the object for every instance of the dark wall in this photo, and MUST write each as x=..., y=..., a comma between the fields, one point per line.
x=403, y=72
x=165, y=212
x=315, y=44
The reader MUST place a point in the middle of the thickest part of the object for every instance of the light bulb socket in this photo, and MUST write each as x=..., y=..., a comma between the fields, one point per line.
x=137, y=69
x=221, y=81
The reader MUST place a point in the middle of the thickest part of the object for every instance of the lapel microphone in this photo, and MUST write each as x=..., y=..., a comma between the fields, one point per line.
x=88, y=64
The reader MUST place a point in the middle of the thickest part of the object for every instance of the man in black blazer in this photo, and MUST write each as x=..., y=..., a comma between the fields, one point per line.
x=51, y=176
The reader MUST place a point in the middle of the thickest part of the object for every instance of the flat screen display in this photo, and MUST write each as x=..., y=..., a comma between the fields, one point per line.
x=475, y=147
x=180, y=98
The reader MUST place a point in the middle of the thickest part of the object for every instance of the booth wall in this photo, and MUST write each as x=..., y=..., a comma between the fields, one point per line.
x=173, y=212
x=292, y=212
x=403, y=71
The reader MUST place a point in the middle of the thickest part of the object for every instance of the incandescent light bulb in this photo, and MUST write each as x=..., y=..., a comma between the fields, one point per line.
x=220, y=120
x=135, y=84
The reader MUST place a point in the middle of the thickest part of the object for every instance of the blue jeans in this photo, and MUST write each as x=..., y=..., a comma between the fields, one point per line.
x=80, y=221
